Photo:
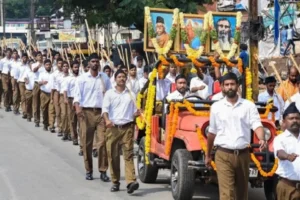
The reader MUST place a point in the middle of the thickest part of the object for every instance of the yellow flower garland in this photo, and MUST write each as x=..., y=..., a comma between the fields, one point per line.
x=248, y=84
x=268, y=109
x=204, y=146
x=139, y=120
x=261, y=171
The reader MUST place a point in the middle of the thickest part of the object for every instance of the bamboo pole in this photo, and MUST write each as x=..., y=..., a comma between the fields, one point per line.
x=295, y=63
x=272, y=64
x=263, y=67
x=90, y=37
x=147, y=57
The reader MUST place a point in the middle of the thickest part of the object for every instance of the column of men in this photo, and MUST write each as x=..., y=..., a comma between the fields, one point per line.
x=93, y=104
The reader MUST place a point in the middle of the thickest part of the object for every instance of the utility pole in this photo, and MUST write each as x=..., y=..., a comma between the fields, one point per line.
x=253, y=16
x=3, y=17
x=32, y=34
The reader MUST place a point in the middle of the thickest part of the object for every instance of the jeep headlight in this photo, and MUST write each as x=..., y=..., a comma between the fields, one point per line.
x=267, y=133
x=206, y=130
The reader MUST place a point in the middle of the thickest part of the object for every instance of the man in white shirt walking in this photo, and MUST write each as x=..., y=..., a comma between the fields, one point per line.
x=287, y=150
x=231, y=121
x=88, y=98
x=45, y=86
x=37, y=68
x=29, y=85
x=119, y=112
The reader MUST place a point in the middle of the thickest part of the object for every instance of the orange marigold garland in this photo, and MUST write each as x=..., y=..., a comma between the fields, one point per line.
x=196, y=62
x=268, y=110
x=163, y=60
x=227, y=62
x=261, y=171
x=170, y=136
x=176, y=61
x=240, y=65
x=213, y=62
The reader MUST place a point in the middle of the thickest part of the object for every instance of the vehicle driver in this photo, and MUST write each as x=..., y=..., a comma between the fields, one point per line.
x=181, y=89
x=287, y=150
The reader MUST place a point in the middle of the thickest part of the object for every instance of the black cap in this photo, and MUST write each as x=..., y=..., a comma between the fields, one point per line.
x=270, y=79
x=159, y=19
x=290, y=109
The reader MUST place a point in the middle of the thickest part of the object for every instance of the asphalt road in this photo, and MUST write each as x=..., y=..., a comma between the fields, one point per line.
x=36, y=165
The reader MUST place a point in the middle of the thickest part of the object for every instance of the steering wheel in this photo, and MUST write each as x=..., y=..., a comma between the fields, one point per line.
x=194, y=96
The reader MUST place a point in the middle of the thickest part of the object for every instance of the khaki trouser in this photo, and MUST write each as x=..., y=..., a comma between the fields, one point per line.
x=16, y=96
x=124, y=137
x=65, y=125
x=72, y=119
x=28, y=100
x=1, y=90
x=36, y=103
x=92, y=123
x=7, y=90
x=22, y=90
x=51, y=114
x=287, y=192
x=45, y=101
x=56, y=103
x=233, y=175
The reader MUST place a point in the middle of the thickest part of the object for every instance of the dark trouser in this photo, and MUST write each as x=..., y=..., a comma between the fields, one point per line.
x=115, y=137
x=72, y=119
x=23, y=97
x=92, y=123
x=233, y=175
x=45, y=101
x=290, y=42
x=28, y=100
x=286, y=191
x=36, y=103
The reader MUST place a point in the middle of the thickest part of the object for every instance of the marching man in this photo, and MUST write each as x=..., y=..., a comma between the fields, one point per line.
x=119, y=112
x=287, y=150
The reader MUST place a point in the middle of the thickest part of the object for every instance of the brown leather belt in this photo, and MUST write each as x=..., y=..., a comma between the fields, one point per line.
x=92, y=109
x=123, y=125
x=233, y=151
x=295, y=184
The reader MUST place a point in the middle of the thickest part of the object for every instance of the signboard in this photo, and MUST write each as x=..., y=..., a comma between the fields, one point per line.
x=67, y=34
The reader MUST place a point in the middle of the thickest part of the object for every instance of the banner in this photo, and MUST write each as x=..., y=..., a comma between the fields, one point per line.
x=68, y=34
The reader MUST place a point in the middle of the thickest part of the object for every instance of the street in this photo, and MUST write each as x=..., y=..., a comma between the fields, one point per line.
x=36, y=165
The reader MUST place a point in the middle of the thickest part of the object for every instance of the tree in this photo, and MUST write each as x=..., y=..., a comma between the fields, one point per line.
x=128, y=12
x=16, y=9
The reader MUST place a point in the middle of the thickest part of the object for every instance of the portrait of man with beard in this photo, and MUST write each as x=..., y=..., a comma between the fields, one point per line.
x=161, y=34
x=224, y=26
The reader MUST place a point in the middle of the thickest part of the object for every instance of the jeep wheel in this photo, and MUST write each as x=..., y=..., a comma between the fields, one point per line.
x=182, y=178
x=270, y=188
x=147, y=173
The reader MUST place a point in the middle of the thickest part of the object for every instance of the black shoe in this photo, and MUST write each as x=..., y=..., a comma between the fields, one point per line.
x=52, y=130
x=59, y=134
x=89, y=176
x=9, y=109
x=28, y=119
x=37, y=125
x=6, y=109
x=131, y=187
x=16, y=112
x=80, y=153
x=104, y=177
x=115, y=187
x=24, y=116
x=45, y=128
x=75, y=142
x=70, y=138
x=65, y=137
x=95, y=153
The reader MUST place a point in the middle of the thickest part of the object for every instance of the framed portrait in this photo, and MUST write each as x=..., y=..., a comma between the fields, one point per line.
x=225, y=24
x=162, y=23
x=193, y=27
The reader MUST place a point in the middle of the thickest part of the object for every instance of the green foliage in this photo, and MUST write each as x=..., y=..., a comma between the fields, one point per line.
x=183, y=35
x=17, y=9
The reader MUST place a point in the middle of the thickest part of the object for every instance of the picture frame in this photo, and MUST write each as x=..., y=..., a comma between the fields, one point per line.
x=225, y=25
x=193, y=27
x=164, y=18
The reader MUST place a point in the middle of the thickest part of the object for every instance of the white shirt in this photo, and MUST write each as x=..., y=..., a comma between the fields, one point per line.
x=142, y=82
x=290, y=144
x=277, y=101
x=294, y=98
x=69, y=86
x=289, y=34
x=209, y=81
x=162, y=88
x=119, y=106
x=133, y=85
x=30, y=76
x=22, y=71
x=89, y=91
x=171, y=78
x=218, y=96
x=232, y=124
x=197, y=82
x=61, y=80
x=176, y=95
x=140, y=72
x=40, y=70
x=45, y=76
x=5, y=65
x=55, y=76
x=14, y=68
